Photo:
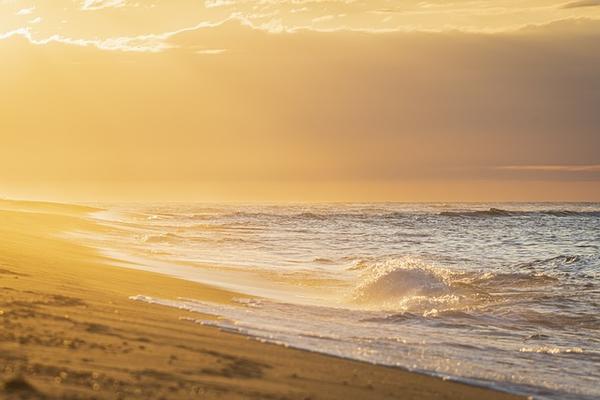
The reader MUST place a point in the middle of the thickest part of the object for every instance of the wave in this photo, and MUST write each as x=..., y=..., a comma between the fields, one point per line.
x=569, y=213
x=173, y=238
x=410, y=285
x=493, y=281
x=317, y=216
x=410, y=290
x=564, y=259
x=225, y=227
x=499, y=212
x=407, y=284
x=492, y=212
x=310, y=216
x=198, y=215
x=325, y=261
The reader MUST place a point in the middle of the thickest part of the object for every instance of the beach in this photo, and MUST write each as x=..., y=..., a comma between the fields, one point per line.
x=69, y=330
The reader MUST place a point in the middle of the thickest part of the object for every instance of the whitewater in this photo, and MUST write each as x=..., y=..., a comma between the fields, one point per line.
x=500, y=295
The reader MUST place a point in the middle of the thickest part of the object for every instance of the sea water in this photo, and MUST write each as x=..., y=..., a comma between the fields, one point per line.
x=500, y=295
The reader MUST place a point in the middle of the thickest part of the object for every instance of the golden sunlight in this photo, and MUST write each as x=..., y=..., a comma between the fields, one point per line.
x=391, y=199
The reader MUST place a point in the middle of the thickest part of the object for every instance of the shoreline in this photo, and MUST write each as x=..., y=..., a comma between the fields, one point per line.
x=70, y=331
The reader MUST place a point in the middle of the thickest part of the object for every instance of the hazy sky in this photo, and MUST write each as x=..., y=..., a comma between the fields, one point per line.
x=300, y=100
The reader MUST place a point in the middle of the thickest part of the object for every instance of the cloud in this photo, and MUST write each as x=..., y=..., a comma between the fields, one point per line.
x=308, y=105
x=136, y=44
x=90, y=5
x=211, y=51
x=548, y=172
x=26, y=11
x=574, y=27
x=552, y=168
x=218, y=3
x=148, y=43
x=580, y=4
x=118, y=18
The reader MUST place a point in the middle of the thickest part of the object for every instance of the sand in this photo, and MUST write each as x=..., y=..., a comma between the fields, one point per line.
x=69, y=331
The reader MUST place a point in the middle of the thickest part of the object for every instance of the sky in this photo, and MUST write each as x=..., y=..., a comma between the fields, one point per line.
x=300, y=100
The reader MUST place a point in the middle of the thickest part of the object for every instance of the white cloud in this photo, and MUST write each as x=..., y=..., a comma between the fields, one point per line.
x=26, y=11
x=582, y=3
x=139, y=44
x=552, y=168
x=211, y=51
x=218, y=3
x=99, y=4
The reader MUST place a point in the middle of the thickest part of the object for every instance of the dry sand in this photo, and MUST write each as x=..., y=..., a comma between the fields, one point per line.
x=68, y=331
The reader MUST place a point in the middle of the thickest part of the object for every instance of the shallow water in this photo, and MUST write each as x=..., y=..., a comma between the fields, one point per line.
x=504, y=295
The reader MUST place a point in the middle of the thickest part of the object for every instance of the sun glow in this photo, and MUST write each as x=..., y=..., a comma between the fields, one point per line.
x=274, y=100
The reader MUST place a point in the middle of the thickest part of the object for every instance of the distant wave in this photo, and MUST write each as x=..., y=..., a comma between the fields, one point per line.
x=325, y=261
x=498, y=212
x=309, y=216
x=565, y=259
x=391, y=215
x=236, y=226
x=172, y=238
x=492, y=212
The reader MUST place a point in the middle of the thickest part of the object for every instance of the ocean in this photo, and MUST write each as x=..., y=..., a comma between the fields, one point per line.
x=500, y=295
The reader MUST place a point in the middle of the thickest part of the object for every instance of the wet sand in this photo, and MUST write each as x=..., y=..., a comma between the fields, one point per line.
x=69, y=331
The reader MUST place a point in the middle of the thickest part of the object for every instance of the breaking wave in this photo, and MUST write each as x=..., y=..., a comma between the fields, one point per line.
x=411, y=285
x=407, y=284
